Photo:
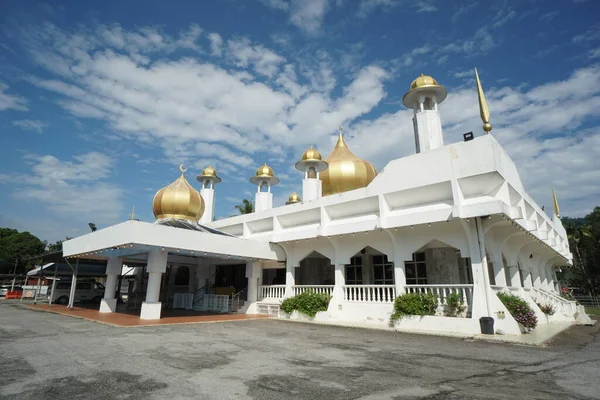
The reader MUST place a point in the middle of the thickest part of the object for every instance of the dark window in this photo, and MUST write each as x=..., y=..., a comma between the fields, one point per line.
x=383, y=270
x=354, y=271
x=416, y=270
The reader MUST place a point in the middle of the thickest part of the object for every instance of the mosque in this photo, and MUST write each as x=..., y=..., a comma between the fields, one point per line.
x=452, y=218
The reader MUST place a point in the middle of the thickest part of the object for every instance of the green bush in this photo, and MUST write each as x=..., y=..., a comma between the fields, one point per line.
x=454, y=305
x=308, y=303
x=519, y=309
x=414, y=304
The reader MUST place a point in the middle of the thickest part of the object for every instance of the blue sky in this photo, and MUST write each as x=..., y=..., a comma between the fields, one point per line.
x=101, y=101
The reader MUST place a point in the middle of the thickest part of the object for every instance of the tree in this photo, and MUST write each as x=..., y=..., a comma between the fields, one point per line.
x=56, y=246
x=584, y=242
x=19, y=245
x=246, y=207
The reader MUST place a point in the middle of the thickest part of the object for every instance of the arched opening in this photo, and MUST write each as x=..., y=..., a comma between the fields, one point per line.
x=315, y=269
x=369, y=267
x=506, y=270
x=312, y=173
x=490, y=267
x=264, y=186
x=428, y=103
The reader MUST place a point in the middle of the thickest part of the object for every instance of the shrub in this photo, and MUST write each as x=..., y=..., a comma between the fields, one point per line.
x=454, y=305
x=519, y=309
x=414, y=304
x=546, y=308
x=308, y=303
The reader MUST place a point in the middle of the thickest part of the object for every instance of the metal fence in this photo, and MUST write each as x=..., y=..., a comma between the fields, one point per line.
x=588, y=301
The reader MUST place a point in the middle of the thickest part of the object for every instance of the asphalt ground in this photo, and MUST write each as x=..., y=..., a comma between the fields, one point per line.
x=50, y=356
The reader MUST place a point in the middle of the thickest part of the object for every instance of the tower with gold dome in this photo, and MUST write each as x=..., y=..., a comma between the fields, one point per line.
x=345, y=171
x=312, y=165
x=264, y=179
x=208, y=178
x=424, y=96
x=179, y=200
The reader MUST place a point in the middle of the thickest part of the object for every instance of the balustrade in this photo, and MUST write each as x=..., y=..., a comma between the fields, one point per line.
x=328, y=289
x=442, y=292
x=369, y=293
x=272, y=292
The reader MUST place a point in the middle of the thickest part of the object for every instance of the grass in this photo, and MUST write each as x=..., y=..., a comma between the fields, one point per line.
x=593, y=310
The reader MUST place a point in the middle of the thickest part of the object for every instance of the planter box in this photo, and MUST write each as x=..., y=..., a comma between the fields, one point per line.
x=322, y=316
x=432, y=323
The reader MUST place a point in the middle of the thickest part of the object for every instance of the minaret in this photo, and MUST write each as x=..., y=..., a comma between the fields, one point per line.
x=484, y=111
x=423, y=97
x=264, y=179
x=208, y=178
x=311, y=164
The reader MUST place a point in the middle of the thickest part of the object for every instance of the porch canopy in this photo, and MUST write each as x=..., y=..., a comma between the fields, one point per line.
x=132, y=240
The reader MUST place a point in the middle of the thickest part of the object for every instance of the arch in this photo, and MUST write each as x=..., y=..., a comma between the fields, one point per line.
x=353, y=244
x=315, y=269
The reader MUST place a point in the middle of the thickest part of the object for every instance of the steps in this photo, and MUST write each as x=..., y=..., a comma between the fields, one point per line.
x=268, y=308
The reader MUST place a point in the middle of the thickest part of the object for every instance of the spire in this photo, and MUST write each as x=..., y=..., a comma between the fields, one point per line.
x=555, y=201
x=484, y=111
x=340, y=142
x=132, y=217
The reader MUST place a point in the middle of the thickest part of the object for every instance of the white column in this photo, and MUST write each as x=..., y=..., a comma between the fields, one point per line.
x=340, y=281
x=209, y=205
x=312, y=189
x=526, y=276
x=499, y=274
x=253, y=273
x=263, y=201
x=399, y=275
x=535, y=276
x=114, y=267
x=513, y=271
x=290, y=278
x=481, y=282
x=157, y=265
x=428, y=129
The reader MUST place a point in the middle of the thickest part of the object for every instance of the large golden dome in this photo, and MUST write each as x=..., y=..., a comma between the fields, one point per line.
x=178, y=200
x=346, y=171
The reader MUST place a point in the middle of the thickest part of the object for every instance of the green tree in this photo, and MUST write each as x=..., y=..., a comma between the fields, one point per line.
x=246, y=207
x=56, y=246
x=19, y=245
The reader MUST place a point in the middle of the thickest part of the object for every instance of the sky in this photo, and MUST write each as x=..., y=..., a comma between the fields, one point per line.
x=100, y=102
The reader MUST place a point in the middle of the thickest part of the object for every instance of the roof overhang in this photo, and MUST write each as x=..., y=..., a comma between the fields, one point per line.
x=132, y=238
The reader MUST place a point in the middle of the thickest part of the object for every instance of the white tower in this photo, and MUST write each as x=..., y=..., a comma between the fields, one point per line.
x=208, y=178
x=264, y=179
x=311, y=164
x=423, y=97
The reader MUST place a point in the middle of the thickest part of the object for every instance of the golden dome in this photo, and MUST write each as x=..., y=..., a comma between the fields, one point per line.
x=311, y=154
x=264, y=173
x=209, y=173
x=346, y=171
x=423, y=81
x=423, y=85
x=311, y=160
x=294, y=198
x=178, y=200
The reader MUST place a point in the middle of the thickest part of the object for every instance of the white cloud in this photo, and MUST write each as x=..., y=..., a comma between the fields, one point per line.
x=30, y=124
x=216, y=43
x=263, y=60
x=307, y=15
x=9, y=101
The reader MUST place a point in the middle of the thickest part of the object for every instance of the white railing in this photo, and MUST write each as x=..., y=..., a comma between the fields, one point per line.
x=183, y=300
x=563, y=306
x=442, y=292
x=369, y=293
x=328, y=289
x=272, y=292
x=215, y=302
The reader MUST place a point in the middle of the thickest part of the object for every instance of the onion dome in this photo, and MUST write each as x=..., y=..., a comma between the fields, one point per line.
x=209, y=174
x=311, y=161
x=264, y=174
x=294, y=198
x=346, y=171
x=424, y=84
x=179, y=200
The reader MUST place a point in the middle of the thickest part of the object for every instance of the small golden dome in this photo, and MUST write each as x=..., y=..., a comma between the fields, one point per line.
x=311, y=160
x=178, y=200
x=294, y=198
x=265, y=173
x=346, y=171
x=423, y=81
x=311, y=154
x=209, y=173
x=423, y=85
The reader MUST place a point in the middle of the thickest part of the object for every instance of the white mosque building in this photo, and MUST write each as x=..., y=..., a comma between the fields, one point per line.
x=452, y=218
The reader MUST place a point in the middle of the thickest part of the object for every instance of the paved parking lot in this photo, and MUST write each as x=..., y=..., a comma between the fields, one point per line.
x=50, y=356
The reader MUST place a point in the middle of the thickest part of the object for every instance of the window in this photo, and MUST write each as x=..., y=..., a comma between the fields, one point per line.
x=354, y=271
x=84, y=285
x=383, y=270
x=416, y=270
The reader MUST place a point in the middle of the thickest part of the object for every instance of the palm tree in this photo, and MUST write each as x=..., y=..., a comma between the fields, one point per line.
x=246, y=207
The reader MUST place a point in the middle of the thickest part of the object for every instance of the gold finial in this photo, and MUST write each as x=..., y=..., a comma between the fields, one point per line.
x=341, y=130
x=132, y=213
x=555, y=201
x=182, y=169
x=484, y=111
